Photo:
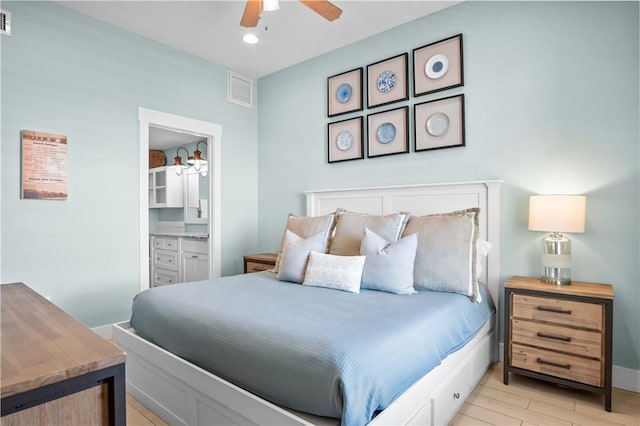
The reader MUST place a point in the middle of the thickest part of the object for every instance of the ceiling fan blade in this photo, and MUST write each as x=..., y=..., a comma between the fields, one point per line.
x=251, y=14
x=324, y=8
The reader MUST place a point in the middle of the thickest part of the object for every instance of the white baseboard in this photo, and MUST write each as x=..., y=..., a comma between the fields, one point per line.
x=622, y=377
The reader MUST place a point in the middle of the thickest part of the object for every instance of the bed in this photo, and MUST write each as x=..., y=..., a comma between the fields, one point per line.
x=183, y=393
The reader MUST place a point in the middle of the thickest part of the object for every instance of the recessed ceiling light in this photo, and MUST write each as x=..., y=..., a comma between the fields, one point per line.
x=250, y=38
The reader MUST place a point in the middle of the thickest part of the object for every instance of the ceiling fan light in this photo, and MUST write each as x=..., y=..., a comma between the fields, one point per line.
x=250, y=38
x=271, y=5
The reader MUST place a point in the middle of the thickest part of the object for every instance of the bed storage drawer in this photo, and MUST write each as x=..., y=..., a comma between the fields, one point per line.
x=568, y=367
x=451, y=395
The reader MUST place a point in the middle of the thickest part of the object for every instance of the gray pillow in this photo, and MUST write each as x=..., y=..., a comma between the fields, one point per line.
x=350, y=226
x=295, y=253
x=305, y=227
x=446, y=256
x=389, y=264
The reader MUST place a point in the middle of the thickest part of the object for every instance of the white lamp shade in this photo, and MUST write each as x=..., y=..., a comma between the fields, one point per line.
x=557, y=213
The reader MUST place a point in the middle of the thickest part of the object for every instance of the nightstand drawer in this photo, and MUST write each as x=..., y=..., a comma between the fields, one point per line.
x=559, y=311
x=568, y=367
x=257, y=267
x=570, y=340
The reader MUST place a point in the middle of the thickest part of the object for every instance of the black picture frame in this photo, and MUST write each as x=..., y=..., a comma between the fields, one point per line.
x=429, y=119
x=344, y=101
x=387, y=81
x=347, y=146
x=388, y=132
x=438, y=66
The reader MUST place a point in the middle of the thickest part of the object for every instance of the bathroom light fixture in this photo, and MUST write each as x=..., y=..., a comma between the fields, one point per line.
x=178, y=165
x=557, y=214
x=250, y=38
x=197, y=160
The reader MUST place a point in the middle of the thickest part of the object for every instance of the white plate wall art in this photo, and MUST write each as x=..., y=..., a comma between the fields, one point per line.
x=387, y=81
x=438, y=66
x=345, y=141
x=388, y=132
x=439, y=123
x=344, y=92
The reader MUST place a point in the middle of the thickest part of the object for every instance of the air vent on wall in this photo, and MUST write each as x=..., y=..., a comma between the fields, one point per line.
x=5, y=22
x=240, y=90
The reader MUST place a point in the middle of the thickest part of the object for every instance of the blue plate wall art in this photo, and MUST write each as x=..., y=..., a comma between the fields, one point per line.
x=438, y=66
x=438, y=124
x=386, y=132
x=387, y=81
x=344, y=92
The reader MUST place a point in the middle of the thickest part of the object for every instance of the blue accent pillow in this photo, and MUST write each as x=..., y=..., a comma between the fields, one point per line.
x=295, y=254
x=389, y=265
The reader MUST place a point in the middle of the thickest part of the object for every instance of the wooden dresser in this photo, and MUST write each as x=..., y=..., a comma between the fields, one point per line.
x=259, y=262
x=561, y=334
x=56, y=371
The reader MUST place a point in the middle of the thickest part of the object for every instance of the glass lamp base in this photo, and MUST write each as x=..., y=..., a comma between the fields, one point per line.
x=556, y=260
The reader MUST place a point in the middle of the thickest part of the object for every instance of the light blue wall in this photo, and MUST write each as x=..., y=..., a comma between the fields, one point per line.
x=551, y=92
x=65, y=73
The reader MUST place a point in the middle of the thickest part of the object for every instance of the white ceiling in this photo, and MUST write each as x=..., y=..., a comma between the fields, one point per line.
x=211, y=29
x=160, y=138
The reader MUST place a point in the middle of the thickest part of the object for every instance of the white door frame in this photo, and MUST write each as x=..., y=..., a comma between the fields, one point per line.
x=148, y=117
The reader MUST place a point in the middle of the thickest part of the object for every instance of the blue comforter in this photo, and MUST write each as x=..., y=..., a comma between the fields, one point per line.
x=317, y=350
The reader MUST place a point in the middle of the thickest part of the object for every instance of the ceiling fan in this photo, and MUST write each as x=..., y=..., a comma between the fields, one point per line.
x=254, y=8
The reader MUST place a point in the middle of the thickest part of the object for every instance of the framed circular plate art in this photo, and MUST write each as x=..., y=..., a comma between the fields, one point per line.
x=438, y=66
x=345, y=140
x=388, y=132
x=387, y=81
x=344, y=92
x=439, y=123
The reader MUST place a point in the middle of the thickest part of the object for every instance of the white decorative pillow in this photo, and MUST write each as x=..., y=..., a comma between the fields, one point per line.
x=446, y=256
x=295, y=253
x=305, y=227
x=335, y=272
x=350, y=227
x=389, y=265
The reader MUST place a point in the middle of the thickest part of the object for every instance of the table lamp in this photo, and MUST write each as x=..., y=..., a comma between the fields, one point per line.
x=556, y=214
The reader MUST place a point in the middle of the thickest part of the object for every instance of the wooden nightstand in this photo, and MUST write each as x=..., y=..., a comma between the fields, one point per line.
x=259, y=262
x=562, y=334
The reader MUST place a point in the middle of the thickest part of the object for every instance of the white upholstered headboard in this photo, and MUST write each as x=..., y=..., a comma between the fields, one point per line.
x=425, y=199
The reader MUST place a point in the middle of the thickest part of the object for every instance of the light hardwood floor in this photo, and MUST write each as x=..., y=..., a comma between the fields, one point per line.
x=524, y=402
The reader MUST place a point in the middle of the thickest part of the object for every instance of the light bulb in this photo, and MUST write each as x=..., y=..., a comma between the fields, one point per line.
x=250, y=38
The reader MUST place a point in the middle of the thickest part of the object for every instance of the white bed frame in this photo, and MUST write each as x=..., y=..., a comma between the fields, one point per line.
x=184, y=394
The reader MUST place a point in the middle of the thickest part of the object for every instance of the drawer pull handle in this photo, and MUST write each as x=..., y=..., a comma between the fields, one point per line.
x=553, y=364
x=194, y=256
x=554, y=310
x=554, y=337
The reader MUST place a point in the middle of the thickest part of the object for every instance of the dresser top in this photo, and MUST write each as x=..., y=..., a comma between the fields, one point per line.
x=41, y=344
x=576, y=288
